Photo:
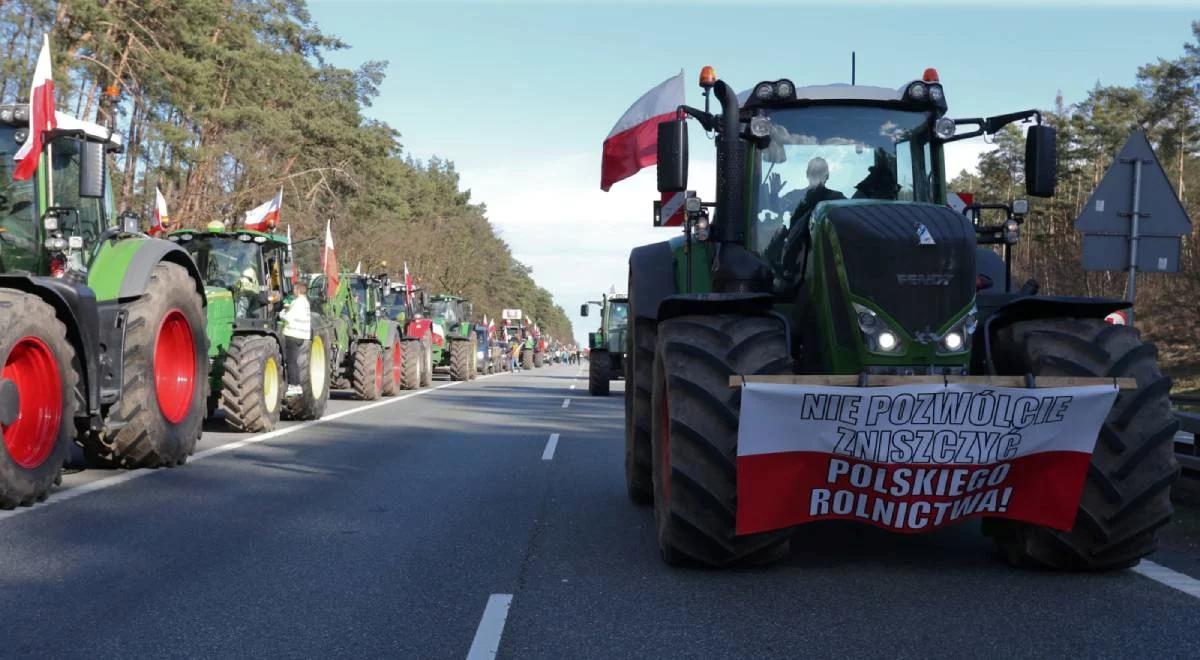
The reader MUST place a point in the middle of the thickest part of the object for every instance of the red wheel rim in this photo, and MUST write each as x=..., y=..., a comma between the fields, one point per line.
x=175, y=367
x=397, y=363
x=31, y=437
x=379, y=373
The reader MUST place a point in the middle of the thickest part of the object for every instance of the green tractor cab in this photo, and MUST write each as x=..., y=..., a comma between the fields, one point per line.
x=454, y=342
x=607, y=346
x=247, y=276
x=101, y=326
x=368, y=349
x=829, y=252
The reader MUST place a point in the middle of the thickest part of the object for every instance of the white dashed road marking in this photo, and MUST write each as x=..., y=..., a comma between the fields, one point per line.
x=491, y=627
x=566, y=402
x=1165, y=576
x=551, y=444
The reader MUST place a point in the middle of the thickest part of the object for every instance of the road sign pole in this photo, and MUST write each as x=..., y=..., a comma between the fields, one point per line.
x=1134, y=216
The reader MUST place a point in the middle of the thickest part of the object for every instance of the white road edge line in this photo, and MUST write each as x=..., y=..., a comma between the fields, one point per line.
x=491, y=627
x=551, y=444
x=566, y=402
x=68, y=494
x=1165, y=576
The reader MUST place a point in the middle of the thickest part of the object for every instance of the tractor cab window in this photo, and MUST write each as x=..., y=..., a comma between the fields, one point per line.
x=231, y=264
x=395, y=305
x=447, y=309
x=18, y=230
x=65, y=163
x=618, y=317
x=827, y=153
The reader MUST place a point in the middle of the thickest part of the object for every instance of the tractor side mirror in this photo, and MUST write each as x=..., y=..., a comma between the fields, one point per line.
x=672, y=156
x=91, y=169
x=1041, y=161
x=583, y=309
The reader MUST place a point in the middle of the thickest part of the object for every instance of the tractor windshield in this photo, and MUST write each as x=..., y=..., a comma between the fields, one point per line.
x=18, y=231
x=226, y=262
x=618, y=316
x=87, y=218
x=826, y=153
x=394, y=305
x=445, y=309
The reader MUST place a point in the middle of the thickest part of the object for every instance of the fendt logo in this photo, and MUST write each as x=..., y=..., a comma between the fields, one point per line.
x=923, y=279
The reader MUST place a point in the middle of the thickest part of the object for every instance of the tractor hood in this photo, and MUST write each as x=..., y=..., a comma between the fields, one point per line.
x=914, y=261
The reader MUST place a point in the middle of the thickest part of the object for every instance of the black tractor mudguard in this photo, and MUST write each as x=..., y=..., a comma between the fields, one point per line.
x=999, y=310
x=651, y=278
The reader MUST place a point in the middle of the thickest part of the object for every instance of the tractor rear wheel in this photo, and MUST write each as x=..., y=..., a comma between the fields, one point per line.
x=393, y=368
x=461, y=357
x=695, y=432
x=165, y=368
x=637, y=412
x=427, y=371
x=538, y=359
x=1126, y=496
x=414, y=363
x=526, y=359
x=314, y=380
x=598, y=375
x=37, y=398
x=252, y=383
x=474, y=372
x=368, y=371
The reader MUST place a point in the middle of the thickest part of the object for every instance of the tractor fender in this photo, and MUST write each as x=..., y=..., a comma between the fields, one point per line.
x=76, y=306
x=122, y=269
x=651, y=278
x=682, y=304
x=1002, y=310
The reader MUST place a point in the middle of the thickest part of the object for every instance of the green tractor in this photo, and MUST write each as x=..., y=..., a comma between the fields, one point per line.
x=831, y=251
x=101, y=326
x=454, y=341
x=607, y=346
x=368, y=352
x=247, y=275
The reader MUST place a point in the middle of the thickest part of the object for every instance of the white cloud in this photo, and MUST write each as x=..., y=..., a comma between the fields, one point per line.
x=964, y=155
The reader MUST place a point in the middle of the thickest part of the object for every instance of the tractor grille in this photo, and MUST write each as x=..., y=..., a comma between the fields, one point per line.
x=920, y=286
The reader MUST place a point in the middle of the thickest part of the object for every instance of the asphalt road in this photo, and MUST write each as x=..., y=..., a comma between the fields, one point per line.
x=387, y=529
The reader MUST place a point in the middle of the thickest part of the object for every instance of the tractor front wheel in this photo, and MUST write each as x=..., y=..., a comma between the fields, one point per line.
x=427, y=372
x=1127, y=493
x=695, y=433
x=526, y=359
x=37, y=398
x=462, y=354
x=165, y=369
x=252, y=383
x=314, y=380
x=538, y=359
x=414, y=363
x=368, y=371
x=393, y=368
x=598, y=375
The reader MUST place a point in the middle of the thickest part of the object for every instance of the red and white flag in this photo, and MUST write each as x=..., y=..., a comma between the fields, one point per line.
x=914, y=458
x=265, y=216
x=960, y=201
x=329, y=261
x=633, y=142
x=408, y=285
x=291, y=257
x=41, y=115
x=162, y=219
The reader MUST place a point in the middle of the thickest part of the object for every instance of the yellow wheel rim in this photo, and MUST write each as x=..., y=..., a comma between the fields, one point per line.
x=316, y=367
x=271, y=384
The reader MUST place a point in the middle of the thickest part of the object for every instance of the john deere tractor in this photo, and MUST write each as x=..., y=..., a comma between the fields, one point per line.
x=830, y=250
x=608, y=345
x=453, y=336
x=101, y=326
x=248, y=277
x=367, y=349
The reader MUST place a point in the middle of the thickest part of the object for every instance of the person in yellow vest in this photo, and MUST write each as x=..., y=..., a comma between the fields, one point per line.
x=297, y=333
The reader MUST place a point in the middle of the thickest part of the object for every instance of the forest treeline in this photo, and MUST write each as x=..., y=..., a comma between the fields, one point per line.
x=1164, y=101
x=222, y=102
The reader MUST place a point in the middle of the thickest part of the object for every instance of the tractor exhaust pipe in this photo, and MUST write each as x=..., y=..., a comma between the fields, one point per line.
x=729, y=163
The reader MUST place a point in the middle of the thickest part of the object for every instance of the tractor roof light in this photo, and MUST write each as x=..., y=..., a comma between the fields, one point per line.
x=930, y=75
x=764, y=91
x=917, y=91
x=937, y=94
x=708, y=77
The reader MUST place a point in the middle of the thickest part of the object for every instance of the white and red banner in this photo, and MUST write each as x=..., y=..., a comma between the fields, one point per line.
x=265, y=216
x=41, y=115
x=162, y=219
x=329, y=264
x=672, y=212
x=914, y=458
x=960, y=201
x=633, y=142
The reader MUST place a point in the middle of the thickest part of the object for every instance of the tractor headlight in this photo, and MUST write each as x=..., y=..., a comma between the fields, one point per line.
x=958, y=338
x=764, y=91
x=57, y=244
x=50, y=222
x=944, y=128
x=937, y=94
x=760, y=127
x=1012, y=231
x=75, y=242
x=918, y=91
x=877, y=335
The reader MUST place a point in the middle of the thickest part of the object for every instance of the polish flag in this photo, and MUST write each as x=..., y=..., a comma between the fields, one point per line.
x=266, y=216
x=914, y=458
x=329, y=261
x=633, y=142
x=161, y=218
x=408, y=286
x=291, y=257
x=41, y=115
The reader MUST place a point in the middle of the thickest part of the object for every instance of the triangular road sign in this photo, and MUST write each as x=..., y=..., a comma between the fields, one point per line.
x=1108, y=210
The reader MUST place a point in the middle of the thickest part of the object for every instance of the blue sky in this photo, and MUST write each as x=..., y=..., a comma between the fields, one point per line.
x=521, y=96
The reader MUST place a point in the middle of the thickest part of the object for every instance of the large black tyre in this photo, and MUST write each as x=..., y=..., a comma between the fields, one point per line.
x=1126, y=496
x=461, y=357
x=427, y=372
x=414, y=363
x=314, y=380
x=694, y=444
x=367, y=378
x=474, y=371
x=598, y=373
x=252, y=383
x=638, y=386
x=35, y=357
x=165, y=369
x=393, y=368
x=538, y=359
x=526, y=358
